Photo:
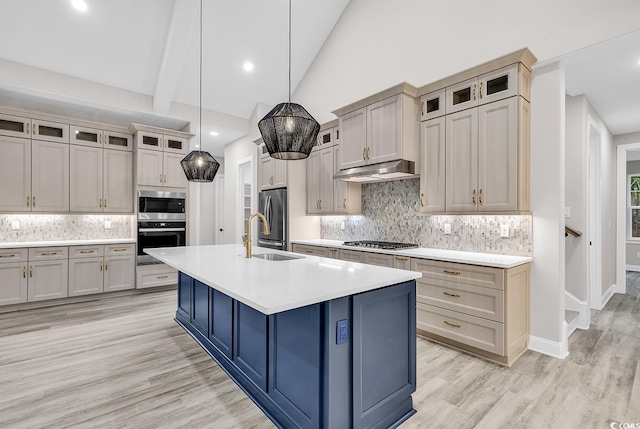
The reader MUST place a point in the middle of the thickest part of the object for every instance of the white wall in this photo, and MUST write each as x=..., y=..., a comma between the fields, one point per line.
x=235, y=153
x=578, y=112
x=377, y=43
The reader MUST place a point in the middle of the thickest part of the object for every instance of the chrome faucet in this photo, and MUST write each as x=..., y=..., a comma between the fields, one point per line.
x=246, y=239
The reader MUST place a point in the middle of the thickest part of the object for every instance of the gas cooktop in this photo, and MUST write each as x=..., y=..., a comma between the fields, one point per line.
x=386, y=245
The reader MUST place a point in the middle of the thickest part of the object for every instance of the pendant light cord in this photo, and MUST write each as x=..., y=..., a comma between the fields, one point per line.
x=201, y=15
x=289, y=51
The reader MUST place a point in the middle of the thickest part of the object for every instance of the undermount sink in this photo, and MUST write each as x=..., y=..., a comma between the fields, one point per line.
x=275, y=257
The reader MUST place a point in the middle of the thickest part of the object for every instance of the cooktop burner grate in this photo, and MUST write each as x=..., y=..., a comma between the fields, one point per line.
x=386, y=245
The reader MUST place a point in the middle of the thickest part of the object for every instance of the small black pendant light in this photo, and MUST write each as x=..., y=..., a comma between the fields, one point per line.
x=288, y=130
x=199, y=165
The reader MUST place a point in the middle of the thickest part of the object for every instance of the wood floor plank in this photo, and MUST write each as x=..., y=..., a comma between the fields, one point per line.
x=123, y=362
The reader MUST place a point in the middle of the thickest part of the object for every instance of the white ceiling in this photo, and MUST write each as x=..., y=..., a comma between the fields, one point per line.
x=609, y=75
x=122, y=43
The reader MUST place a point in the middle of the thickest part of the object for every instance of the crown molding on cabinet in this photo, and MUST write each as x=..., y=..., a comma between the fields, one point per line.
x=402, y=88
x=133, y=128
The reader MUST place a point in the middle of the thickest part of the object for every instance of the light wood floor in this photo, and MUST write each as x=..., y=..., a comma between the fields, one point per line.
x=124, y=363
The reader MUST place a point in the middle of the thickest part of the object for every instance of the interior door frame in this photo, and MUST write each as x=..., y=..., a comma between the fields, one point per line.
x=621, y=213
x=594, y=215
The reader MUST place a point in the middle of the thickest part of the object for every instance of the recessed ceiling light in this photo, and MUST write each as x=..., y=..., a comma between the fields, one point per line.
x=214, y=133
x=80, y=5
x=248, y=66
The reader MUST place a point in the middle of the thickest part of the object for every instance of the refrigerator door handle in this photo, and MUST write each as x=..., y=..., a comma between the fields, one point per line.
x=267, y=211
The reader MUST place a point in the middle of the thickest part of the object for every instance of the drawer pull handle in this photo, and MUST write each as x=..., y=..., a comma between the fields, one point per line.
x=453, y=325
x=162, y=277
x=398, y=258
x=49, y=254
x=453, y=273
x=454, y=295
x=119, y=250
x=333, y=250
x=309, y=251
x=86, y=251
x=8, y=256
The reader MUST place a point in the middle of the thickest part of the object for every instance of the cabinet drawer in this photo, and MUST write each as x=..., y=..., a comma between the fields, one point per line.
x=473, y=300
x=351, y=255
x=460, y=273
x=473, y=331
x=378, y=259
x=48, y=253
x=156, y=278
x=119, y=249
x=13, y=255
x=402, y=262
x=311, y=250
x=76, y=252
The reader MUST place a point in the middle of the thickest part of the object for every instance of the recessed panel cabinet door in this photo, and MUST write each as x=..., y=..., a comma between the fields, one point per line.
x=86, y=179
x=326, y=180
x=149, y=164
x=119, y=273
x=354, y=137
x=384, y=130
x=13, y=283
x=432, y=162
x=173, y=173
x=313, y=182
x=49, y=177
x=462, y=161
x=118, y=182
x=86, y=276
x=48, y=280
x=15, y=174
x=498, y=155
x=340, y=187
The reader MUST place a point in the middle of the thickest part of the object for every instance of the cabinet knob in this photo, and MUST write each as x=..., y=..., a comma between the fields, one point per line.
x=105, y=203
x=474, y=91
x=473, y=197
x=34, y=129
x=421, y=199
x=28, y=199
x=480, y=197
x=368, y=153
x=480, y=90
x=364, y=151
x=100, y=203
x=33, y=201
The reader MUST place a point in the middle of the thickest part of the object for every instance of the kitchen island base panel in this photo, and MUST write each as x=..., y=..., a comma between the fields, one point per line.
x=289, y=364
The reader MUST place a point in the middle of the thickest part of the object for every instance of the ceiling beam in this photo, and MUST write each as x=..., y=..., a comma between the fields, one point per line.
x=180, y=28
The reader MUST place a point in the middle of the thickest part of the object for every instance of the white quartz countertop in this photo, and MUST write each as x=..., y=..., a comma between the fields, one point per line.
x=66, y=243
x=274, y=286
x=472, y=258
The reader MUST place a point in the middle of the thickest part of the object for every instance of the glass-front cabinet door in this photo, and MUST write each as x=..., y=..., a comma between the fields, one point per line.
x=175, y=144
x=49, y=131
x=462, y=96
x=15, y=126
x=432, y=105
x=499, y=84
x=118, y=141
x=148, y=140
x=86, y=136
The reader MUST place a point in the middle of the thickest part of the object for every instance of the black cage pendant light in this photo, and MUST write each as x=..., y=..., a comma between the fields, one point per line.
x=288, y=130
x=199, y=165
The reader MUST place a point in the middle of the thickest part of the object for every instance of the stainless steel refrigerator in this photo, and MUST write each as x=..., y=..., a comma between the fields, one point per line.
x=273, y=204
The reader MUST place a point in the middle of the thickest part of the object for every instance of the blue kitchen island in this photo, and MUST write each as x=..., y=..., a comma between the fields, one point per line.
x=315, y=342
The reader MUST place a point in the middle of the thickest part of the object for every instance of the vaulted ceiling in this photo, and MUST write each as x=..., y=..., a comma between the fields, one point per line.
x=152, y=47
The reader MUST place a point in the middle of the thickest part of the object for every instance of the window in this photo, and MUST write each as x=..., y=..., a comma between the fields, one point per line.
x=633, y=201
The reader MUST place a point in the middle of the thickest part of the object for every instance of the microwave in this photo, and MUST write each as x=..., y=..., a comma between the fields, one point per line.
x=161, y=205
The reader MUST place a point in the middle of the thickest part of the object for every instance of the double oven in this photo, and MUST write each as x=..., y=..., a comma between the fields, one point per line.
x=162, y=222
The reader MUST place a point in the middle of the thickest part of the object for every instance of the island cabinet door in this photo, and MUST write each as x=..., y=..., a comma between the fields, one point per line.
x=185, y=285
x=250, y=344
x=200, y=309
x=221, y=322
x=384, y=355
x=295, y=359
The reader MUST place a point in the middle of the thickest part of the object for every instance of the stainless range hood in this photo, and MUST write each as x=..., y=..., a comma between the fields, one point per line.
x=390, y=170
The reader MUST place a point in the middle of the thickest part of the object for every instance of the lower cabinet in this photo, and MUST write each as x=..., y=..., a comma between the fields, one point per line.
x=13, y=276
x=352, y=255
x=155, y=275
x=48, y=273
x=291, y=365
x=99, y=268
x=310, y=250
x=480, y=310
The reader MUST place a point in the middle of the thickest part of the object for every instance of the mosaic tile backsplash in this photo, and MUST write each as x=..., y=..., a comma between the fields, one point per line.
x=48, y=227
x=390, y=212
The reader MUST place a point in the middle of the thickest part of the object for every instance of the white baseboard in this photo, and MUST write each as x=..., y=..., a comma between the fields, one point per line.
x=574, y=304
x=632, y=268
x=559, y=350
x=607, y=295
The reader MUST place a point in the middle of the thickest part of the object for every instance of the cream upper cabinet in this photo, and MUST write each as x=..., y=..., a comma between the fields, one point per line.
x=158, y=141
x=432, y=105
x=353, y=126
x=49, y=177
x=462, y=161
x=15, y=174
x=272, y=172
x=174, y=176
x=117, y=182
x=461, y=96
x=382, y=131
x=86, y=136
x=313, y=182
x=49, y=131
x=15, y=126
x=118, y=141
x=504, y=83
x=86, y=179
x=483, y=170
x=320, y=181
x=149, y=163
x=347, y=196
x=432, y=165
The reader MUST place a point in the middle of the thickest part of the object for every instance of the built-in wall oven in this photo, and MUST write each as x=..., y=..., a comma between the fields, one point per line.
x=162, y=222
